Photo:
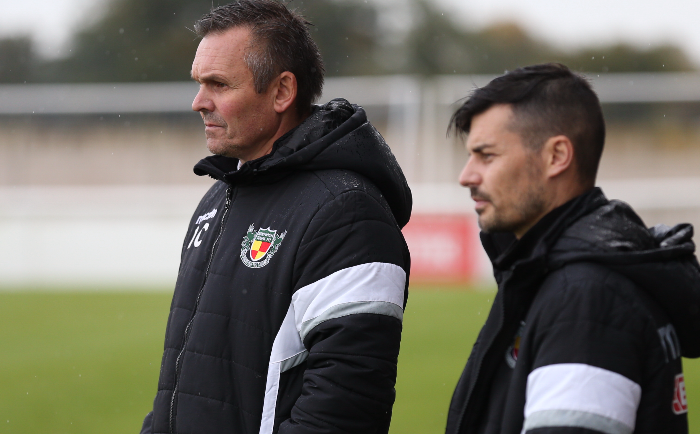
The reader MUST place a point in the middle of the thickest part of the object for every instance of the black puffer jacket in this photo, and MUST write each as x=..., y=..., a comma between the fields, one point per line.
x=287, y=312
x=586, y=333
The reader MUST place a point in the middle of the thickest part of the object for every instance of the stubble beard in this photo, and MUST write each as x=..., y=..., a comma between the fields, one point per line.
x=224, y=147
x=220, y=145
x=515, y=216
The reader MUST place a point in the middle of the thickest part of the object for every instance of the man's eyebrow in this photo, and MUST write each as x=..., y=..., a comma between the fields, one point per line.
x=480, y=148
x=208, y=78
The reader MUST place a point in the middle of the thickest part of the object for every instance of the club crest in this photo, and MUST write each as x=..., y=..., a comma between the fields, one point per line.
x=514, y=349
x=259, y=246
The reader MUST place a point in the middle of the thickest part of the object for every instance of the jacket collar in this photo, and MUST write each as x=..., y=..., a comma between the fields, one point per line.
x=336, y=136
x=505, y=251
x=226, y=168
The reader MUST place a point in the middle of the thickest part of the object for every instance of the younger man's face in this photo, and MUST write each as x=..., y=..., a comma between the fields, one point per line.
x=505, y=177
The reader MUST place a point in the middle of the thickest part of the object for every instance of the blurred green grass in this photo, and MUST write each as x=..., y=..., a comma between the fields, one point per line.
x=85, y=362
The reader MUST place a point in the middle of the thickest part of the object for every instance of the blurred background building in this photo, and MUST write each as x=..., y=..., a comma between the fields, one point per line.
x=97, y=139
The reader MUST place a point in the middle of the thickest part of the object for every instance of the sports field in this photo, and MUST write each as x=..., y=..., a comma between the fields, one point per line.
x=88, y=362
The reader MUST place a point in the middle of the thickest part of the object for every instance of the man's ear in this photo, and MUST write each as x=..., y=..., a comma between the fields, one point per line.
x=285, y=92
x=558, y=153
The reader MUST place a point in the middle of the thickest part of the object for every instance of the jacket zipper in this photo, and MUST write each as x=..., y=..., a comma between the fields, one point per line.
x=501, y=287
x=460, y=423
x=227, y=206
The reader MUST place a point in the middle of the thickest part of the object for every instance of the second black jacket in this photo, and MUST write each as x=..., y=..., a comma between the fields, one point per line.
x=586, y=333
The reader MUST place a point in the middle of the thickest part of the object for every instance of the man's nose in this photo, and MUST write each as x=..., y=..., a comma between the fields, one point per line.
x=202, y=102
x=469, y=176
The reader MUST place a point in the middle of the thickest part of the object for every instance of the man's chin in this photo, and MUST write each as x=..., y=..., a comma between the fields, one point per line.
x=485, y=223
x=213, y=147
x=217, y=148
x=483, y=226
x=490, y=225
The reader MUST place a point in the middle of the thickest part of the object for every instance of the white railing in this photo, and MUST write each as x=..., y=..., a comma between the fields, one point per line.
x=130, y=236
x=171, y=97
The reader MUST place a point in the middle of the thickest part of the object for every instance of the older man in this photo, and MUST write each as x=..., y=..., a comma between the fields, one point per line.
x=287, y=311
x=593, y=310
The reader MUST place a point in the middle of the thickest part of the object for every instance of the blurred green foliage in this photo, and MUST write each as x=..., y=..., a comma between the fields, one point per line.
x=134, y=41
x=347, y=32
x=151, y=41
x=437, y=45
x=16, y=59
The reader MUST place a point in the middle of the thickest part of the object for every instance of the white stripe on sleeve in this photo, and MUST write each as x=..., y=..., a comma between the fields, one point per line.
x=287, y=342
x=580, y=395
x=375, y=287
x=287, y=352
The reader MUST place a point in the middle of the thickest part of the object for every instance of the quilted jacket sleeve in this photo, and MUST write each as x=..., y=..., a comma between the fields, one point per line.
x=352, y=276
x=597, y=360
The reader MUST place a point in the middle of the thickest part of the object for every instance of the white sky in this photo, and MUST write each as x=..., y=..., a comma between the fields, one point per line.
x=577, y=23
x=566, y=23
x=49, y=22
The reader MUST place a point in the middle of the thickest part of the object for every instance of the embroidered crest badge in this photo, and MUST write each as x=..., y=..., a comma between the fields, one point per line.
x=259, y=246
x=514, y=349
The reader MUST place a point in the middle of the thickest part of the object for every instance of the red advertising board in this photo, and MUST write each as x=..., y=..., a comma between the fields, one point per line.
x=443, y=247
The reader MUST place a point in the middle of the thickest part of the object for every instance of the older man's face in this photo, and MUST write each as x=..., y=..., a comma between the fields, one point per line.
x=239, y=122
x=506, y=179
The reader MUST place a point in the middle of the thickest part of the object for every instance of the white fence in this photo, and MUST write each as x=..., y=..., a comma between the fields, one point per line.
x=371, y=90
x=130, y=236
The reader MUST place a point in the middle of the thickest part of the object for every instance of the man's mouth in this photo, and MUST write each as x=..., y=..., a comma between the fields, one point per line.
x=212, y=121
x=480, y=201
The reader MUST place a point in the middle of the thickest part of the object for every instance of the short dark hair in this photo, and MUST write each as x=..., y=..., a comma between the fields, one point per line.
x=547, y=100
x=280, y=42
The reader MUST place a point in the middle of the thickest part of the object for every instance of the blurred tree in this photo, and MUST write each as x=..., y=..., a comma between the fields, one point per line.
x=505, y=46
x=135, y=40
x=347, y=33
x=437, y=45
x=625, y=58
x=16, y=60
x=150, y=40
x=138, y=40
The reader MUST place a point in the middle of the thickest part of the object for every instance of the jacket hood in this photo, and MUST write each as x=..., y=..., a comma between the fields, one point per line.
x=590, y=228
x=336, y=135
x=660, y=260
